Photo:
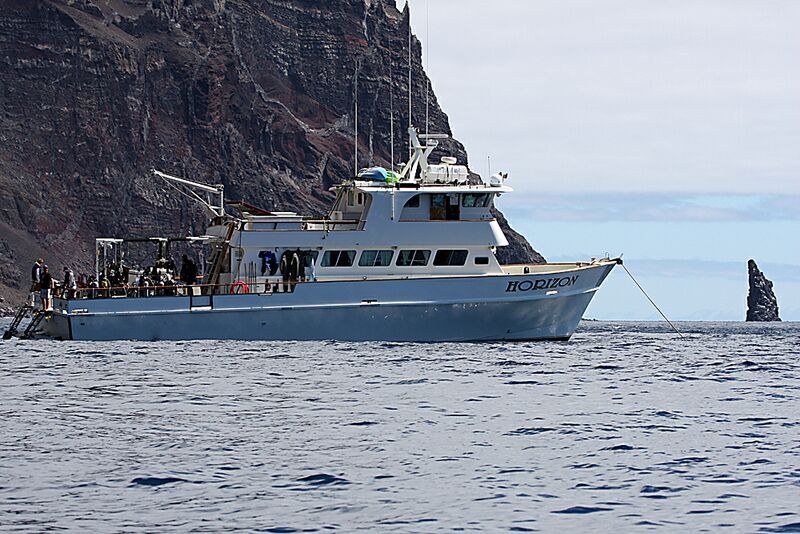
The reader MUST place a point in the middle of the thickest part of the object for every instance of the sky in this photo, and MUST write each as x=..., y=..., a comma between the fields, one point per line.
x=668, y=132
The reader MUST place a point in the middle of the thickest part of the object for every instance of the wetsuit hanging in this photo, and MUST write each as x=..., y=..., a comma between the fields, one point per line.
x=284, y=267
x=294, y=268
x=272, y=262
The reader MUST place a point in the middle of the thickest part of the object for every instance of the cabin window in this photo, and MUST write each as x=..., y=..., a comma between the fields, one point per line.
x=360, y=198
x=375, y=258
x=338, y=258
x=413, y=258
x=351, y=198
x=481, y=260
x=450, y=257
x=413, y=202
x=445, y=207
x=475, y=200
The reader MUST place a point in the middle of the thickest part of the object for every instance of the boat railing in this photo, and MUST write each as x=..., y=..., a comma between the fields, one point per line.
x=180, y=290
x=329, y=225
x=540, y=268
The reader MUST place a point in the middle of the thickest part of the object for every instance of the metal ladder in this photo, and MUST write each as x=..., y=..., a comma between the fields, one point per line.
x=30, y=330
x=14, y=327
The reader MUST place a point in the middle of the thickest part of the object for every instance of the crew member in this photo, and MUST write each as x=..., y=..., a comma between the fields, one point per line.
x=36, y=278
x=105, y=285
x=46, y=284
x=70, y=284
x=188, y=270
x=93, y=287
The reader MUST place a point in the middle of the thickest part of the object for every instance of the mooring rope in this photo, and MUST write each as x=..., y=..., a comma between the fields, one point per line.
x=651, y=301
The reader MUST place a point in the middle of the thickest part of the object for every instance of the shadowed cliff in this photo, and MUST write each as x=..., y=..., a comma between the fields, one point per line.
x=257, y=95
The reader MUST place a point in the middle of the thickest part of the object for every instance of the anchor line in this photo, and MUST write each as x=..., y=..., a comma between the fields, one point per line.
x=651, y=301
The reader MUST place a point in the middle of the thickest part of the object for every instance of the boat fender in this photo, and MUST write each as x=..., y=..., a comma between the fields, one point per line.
x=239, y=287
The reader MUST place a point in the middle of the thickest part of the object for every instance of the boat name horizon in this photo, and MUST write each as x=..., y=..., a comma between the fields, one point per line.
x=533, y=285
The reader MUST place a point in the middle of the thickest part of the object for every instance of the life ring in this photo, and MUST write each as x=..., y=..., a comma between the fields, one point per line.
x=239, y=287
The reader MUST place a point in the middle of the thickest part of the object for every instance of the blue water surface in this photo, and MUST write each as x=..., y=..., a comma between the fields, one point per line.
x=626, y=427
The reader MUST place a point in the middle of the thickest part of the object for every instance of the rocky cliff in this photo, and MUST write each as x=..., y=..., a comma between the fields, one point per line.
x=761, y=302
x=255, y=94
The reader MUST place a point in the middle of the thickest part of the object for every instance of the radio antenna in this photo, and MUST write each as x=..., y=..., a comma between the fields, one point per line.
x=410, y=149
x=427, y=61
x=355, y=100
x=391, y=112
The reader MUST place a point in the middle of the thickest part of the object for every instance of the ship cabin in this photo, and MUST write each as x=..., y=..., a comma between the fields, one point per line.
x=372, y=231
x=427, y=221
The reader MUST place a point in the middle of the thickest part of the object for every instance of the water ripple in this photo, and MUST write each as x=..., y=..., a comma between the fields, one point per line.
x=626, y=428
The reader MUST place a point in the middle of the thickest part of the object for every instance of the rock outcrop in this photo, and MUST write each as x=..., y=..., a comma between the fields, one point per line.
x=255, y=94
x=761, y=302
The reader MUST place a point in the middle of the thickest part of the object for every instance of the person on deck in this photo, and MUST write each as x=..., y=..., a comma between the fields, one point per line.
x=70, y=284
x=188, y=271
x=46, y=284
x=105, y=284
x=172, y=269
x=36, y=278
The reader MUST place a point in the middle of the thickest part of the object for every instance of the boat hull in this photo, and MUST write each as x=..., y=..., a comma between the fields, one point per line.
x=506, y=307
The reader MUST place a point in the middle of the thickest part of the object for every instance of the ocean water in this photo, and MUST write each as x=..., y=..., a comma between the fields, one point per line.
x=626, y=427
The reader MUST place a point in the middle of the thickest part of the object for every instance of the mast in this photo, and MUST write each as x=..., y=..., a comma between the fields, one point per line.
x=355, y=104
x=410, y=148
x=391, y=113
x=427, y=61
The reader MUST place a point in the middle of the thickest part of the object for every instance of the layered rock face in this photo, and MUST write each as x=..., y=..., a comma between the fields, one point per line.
x=761, y=302
x=255, y=94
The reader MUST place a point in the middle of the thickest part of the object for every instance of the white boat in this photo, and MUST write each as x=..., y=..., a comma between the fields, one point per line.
x=401, y=257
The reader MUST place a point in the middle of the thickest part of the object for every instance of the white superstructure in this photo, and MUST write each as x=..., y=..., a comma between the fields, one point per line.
x=434, y=224
x=407, y=256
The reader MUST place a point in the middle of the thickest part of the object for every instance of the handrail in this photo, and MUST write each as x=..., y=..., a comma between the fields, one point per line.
x=279, y=285
x=181, y=290
x=332, y=221
x=447, y=220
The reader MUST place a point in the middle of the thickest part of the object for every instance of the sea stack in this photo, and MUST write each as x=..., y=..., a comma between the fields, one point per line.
x=761, y=302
